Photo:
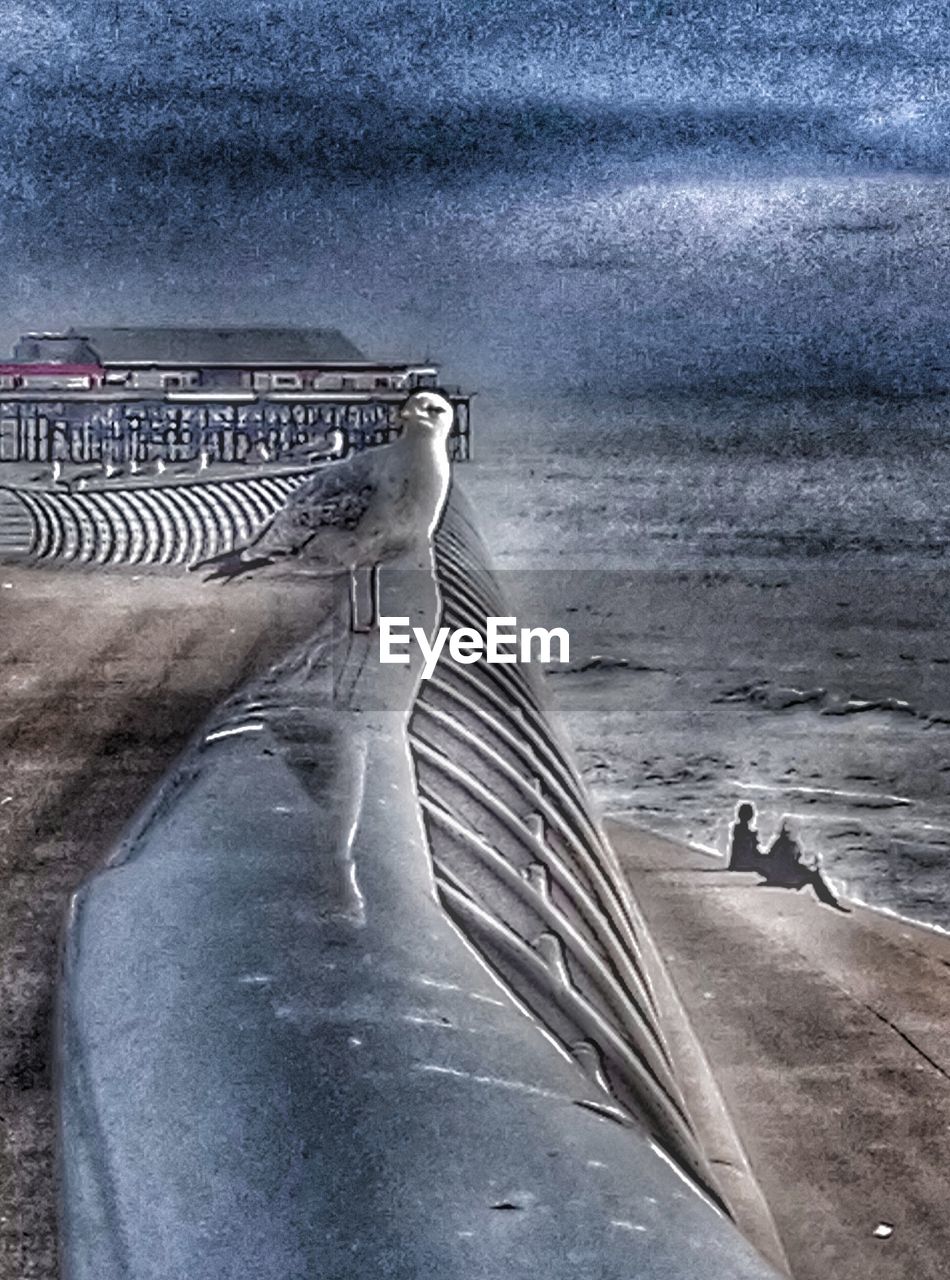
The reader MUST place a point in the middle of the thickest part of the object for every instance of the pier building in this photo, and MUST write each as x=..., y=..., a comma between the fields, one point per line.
x=131, y=395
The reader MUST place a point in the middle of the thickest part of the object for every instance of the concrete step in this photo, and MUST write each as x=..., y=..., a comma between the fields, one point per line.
x=829, y=1037
x=16, y=527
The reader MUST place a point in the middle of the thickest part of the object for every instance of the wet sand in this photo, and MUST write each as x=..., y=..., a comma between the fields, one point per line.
x=818, y=695
x=103, y=680
x=766, y=586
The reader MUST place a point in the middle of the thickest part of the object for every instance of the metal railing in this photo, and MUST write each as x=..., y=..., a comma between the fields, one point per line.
x=84, y=429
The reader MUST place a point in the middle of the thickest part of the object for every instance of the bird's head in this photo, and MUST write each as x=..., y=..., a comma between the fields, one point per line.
x=427, y=411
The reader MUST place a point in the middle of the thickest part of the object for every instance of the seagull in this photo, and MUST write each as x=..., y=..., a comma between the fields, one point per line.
x=362, y=511
x=332, y=446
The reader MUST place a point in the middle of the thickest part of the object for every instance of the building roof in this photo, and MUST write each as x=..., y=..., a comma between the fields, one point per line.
x=54, y=348
x=219, y=345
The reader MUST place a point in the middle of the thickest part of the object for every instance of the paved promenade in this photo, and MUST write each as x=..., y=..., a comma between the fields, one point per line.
x=104, y=678
x=829, y=1038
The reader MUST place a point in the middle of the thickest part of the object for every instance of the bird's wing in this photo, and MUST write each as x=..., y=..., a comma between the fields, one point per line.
x=335, y=497
x=233, y=512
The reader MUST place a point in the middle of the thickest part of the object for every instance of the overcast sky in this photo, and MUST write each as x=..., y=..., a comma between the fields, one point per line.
x=654, y=196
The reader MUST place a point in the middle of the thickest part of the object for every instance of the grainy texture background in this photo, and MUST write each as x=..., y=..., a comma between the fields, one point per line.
x=749, y=192
x=555, y=197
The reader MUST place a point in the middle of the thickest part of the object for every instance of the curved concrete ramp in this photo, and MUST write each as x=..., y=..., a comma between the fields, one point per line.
x=174, y=523
x=521, y=866
x=280, y=1057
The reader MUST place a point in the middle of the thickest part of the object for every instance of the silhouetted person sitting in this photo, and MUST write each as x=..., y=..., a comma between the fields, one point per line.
x=783, y=865
x=744, y=851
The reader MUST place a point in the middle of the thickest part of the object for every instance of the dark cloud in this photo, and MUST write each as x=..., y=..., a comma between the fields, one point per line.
x=258, y=156
x=88, y=165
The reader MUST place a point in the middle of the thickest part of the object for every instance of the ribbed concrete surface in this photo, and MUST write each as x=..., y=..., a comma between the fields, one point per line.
x=829, y=1037
x=173, y=523
x=279, y=1057
x=16, y=527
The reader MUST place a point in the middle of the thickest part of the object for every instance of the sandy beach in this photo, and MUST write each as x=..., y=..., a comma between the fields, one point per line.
x=104, y=679
x=757, y=594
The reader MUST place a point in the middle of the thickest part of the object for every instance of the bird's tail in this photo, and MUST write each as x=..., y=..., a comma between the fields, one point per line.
x=229, y=564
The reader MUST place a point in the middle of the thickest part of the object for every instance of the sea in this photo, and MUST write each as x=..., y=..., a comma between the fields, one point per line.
x=758, y=594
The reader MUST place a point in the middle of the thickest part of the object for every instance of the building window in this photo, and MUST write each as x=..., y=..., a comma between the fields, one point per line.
x=286, y=381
